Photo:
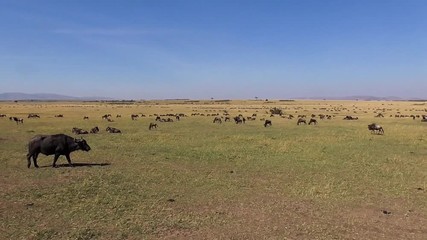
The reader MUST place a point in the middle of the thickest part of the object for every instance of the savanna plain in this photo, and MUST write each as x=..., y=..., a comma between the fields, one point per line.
x=195, y=179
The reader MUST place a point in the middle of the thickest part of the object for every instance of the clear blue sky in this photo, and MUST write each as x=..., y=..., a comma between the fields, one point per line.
x=221, y=49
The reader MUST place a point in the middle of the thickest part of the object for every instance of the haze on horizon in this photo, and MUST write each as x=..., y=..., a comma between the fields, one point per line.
x=220, y=49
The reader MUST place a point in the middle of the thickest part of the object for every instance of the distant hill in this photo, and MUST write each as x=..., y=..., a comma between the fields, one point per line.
x=363, y=98
x=13, y=96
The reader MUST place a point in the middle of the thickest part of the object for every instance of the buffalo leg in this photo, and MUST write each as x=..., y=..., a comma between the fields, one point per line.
x=28, y=160
x=69, y=160
x=55, y=159
x=35, y=155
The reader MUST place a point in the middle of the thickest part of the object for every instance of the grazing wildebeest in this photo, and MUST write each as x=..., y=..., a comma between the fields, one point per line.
x=107, y=117
x=94, y=130
x=79, y=131
x=226, y=119
x=267, y=123
x=59, y=116
x=350, y=118
x=33, y=115
x=85, y=117
x=217, y=120
x=177, y=118
x=118, y=116
x=314, y=121
x=375, y=128
x=301, y=121
x=152, y=125
x=18, y=120
x=58, y=144
x=2, y=115
x=112, y=130
x=158, y=118
x=134, y=116
x=238, y=120
x=379, y=115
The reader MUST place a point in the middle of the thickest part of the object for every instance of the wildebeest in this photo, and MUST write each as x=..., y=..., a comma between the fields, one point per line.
x=78, y=131
x=2, y=115
x=134, y=116
x=17, y=120
x=118, y=116
x=350, y=118
x=158, y=118
x=217, y=120
x=239, y=119
x=375, y=128
x=152, y=125
x=94, y=130
x=226, y=119
x=59, y=116
x=58, y=144
x=267, y=123
x=112, y=130
x=33, y=115
x=314, y=121
x=301, y=121
x=107, y=117
x=85, y=117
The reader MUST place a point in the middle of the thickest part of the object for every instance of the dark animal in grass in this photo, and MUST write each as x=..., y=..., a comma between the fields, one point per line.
x=59, y=116
x=112, y=130
x=18, y=120
x=33, y=115
x=238, y=120
x=301, y=121
x=158, y=118
x=226, y=119
x=118, y=116
x=152, y=125
x=2, y=115
x=94, y=130
x=85, y=117
x=375, y=128
x=350, y=118
x=267, y=123
x=314, y=121
x=217, y=120
x=58, y=144
x=79, y=131
x=134, y=116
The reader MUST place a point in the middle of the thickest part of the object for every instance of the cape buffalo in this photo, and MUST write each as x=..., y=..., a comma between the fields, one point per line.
x=58, y=144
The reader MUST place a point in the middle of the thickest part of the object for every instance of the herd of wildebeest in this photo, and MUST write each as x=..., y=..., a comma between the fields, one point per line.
x=61, y=144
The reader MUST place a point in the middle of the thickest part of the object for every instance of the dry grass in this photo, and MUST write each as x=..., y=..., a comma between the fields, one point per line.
x=199, y=180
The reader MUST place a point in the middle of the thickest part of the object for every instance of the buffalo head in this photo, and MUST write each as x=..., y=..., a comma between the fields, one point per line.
x=83, y=144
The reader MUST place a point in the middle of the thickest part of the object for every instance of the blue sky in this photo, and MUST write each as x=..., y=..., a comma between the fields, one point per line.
x=221, y=49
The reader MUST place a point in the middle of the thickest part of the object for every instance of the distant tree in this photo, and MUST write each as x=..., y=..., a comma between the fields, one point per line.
x=256, y=98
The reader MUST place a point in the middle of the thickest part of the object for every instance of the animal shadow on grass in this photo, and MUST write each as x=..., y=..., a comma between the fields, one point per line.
x=79, y=165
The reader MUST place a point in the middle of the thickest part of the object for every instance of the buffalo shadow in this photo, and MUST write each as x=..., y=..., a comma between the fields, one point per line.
x=78, y=165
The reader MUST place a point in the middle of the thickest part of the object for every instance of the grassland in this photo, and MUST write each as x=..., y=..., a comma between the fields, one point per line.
x=193, y=179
